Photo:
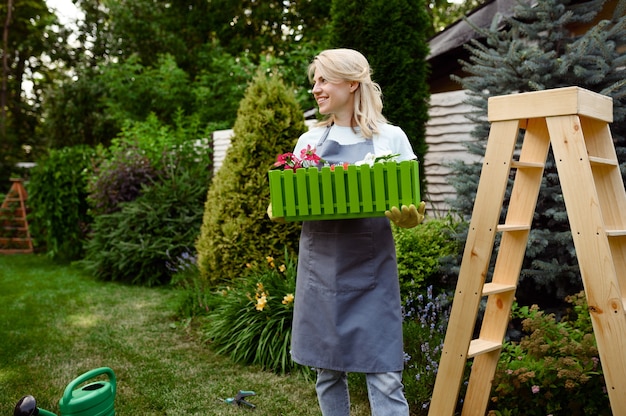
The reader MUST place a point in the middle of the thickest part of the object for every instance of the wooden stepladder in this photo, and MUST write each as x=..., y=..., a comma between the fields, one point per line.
x=575, y=122
x=14, y=230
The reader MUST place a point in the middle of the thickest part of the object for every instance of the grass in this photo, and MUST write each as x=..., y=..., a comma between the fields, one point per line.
x=56, y=323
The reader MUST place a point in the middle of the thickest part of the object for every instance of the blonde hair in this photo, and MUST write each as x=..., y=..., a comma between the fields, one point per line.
x=338, y=65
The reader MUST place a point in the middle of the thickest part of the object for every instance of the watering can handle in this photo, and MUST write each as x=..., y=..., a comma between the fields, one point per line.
x=67, y=395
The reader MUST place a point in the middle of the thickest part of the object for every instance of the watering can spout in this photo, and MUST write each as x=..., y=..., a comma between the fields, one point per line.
x=27, y=406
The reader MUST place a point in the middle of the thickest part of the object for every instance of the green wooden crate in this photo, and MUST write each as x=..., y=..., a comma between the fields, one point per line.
x=356, y=192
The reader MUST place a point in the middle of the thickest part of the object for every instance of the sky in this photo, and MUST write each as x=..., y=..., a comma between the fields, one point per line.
x=65, y=10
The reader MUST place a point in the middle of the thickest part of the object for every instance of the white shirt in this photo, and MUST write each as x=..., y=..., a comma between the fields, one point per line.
x=390, y=140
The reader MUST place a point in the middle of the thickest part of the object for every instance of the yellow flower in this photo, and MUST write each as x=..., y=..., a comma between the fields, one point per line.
x=270, y=261
x=282, y=268
x=288, y=299
x=261, y=303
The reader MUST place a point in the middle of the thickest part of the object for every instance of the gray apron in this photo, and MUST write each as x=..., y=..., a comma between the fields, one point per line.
x=347, y=313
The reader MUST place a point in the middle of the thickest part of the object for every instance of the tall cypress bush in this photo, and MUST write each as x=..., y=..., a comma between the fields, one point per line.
x=541, y=48
x=236, y=230
x=392, y=35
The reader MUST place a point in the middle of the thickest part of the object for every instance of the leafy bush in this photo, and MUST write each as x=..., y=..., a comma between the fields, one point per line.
x=554, y=369
x=251, y=319
x=135, y=159
x=118, y=179
x=58, y=199
x=135, y=243
x=235, y=228
x=153, y=137
x=419, y=250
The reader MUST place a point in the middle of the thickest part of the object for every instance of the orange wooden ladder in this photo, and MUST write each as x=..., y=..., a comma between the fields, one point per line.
x=14, y=230
x=575, y=122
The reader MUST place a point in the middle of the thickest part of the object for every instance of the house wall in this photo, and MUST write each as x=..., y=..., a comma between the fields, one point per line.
x=446, y=131
x=221, y=143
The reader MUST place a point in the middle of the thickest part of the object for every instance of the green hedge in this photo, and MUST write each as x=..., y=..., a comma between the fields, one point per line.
x=60, y=217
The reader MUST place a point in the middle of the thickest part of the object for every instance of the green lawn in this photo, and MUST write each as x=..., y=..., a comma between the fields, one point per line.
x=56, y=323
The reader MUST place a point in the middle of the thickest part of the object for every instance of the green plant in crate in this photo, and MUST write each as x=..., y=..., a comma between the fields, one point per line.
x=352, y=191
x=251, y=319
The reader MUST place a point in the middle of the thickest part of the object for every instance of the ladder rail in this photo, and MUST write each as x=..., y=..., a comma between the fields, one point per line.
x=476, y=257
x=583, y=201
x=509, y=261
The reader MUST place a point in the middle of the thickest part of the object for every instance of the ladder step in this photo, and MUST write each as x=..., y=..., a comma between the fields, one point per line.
x=512, y=227
x=5, y=240
x=616, y=233
x=493, y=288
x=16, y=250
x=482, y=346
x=601, y=161
x=517, y=164
x=13, y=228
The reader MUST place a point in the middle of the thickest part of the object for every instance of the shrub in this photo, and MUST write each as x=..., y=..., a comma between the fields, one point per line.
x=57, y=197
x=135, y=159
x=251, y=319
x=419, y=250
x=118, y=179
x=554, y=369
x=135, y=243
x=235, y=228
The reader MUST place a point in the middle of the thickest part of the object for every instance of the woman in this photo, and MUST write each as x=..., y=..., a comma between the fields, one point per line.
x=347, y=312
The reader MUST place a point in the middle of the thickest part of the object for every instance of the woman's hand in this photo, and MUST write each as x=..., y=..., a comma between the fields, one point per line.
x=272, y=217
x=407, y=217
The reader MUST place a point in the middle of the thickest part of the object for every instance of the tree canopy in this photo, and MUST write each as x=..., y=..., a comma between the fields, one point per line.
x=123, y=59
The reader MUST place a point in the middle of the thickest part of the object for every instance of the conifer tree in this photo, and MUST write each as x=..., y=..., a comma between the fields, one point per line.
x=236, y=230
x=392, y=35
x=539, y=49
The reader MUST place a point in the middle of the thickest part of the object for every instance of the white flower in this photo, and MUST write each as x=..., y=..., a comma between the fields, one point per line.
x=371, y=158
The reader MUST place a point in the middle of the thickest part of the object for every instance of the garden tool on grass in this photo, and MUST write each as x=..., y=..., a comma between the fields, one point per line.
x=239, y=398
x=94, y=399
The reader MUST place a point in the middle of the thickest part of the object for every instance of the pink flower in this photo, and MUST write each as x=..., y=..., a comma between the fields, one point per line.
x=535, y=389
x=308, y=158
x=309, y=155
x=288, y=161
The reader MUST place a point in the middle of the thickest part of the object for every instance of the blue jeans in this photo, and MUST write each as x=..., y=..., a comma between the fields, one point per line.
x=385, y=392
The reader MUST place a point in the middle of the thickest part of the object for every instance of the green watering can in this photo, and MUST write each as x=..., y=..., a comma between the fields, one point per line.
x=93, y=399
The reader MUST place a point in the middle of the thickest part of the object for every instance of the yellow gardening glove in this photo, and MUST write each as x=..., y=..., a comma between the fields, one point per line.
x=273, y=218
x=407, y=217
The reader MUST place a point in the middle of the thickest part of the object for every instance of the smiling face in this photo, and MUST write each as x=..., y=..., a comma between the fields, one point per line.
x=336, y=98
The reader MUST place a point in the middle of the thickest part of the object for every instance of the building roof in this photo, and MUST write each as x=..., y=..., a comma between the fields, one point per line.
x=446, y=47
x=460, y=32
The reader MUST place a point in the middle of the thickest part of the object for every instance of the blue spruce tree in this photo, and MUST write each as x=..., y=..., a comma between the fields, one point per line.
x=545, y=45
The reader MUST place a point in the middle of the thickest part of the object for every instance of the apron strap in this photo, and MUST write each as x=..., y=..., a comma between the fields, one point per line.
x=324, y=136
